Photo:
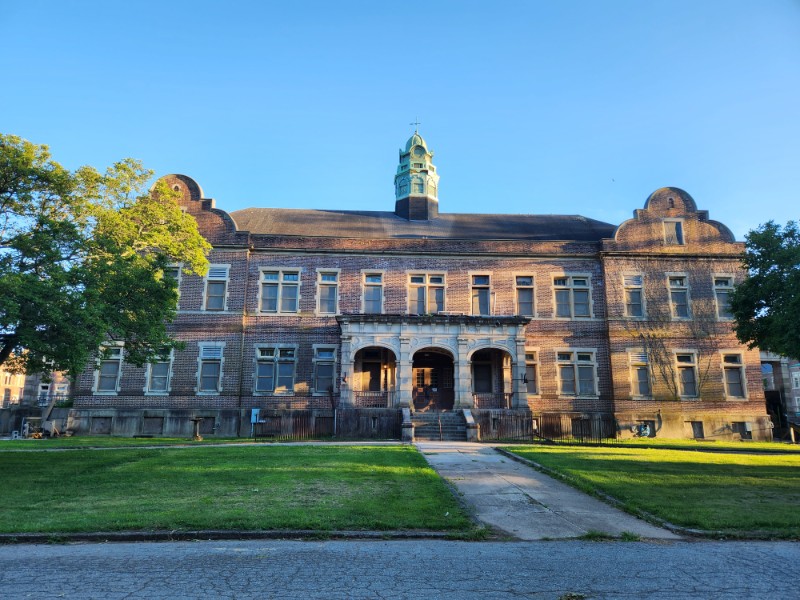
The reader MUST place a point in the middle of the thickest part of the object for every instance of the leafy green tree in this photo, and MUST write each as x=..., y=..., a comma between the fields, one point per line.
x=83, y=258
x=766, y=306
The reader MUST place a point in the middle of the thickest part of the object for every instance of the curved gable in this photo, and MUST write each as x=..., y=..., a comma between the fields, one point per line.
x=670, y=223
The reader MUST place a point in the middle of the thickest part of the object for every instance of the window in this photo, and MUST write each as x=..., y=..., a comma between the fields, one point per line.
x=743, y=428
x=697, y=429
x=174, y=272
x=324, y=368
x=576, y=372
x=679, y=297
x=280, y=291
x=418, y=188
x=640, y=373
x=481, y=294
x=532, y=371
x=723, y=286
x=796, y=381
x=633, y=295
x=572, y=297
x=158, y=373
x=210, y=368
x=216, y=287
x=109, y=369
x=373, y=293
x=328, y=287
x=525, y=303
x=426, y=293
x=275, y=369
x=673, y=232
x=734, y=377
x=687, y=374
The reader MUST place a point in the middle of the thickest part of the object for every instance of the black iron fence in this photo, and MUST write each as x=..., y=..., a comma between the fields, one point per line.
x=367, y=399
x=594, y=429
x=492, y=400
x=342, y=423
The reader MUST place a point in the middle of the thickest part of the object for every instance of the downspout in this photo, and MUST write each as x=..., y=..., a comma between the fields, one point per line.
x=241, y=343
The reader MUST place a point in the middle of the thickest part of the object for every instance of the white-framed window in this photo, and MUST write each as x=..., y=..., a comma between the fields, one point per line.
x=481, y=294
x=524, y=295
x=44, y=391
x=796, y=381
x=679, y=296
x=158, y=374
x=723, y=287
x=275, y=369
x=209, y=367
x=686, y=368
x=531, y=371
x=280, y=291
x=425, y=293
x=174, y=272
x=733, y=368
x=216, y=292
x=373, y=292
x=109, y=370
x=577, y=372
x=324, y=369
x=328, y=292
x=673, y=232
x=572, y=296
x=634, y=298
x=640, y=373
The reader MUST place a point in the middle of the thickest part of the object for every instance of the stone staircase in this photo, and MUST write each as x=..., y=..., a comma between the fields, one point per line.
x=427, y=426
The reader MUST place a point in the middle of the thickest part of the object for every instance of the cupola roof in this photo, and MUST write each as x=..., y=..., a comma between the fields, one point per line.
x=415, y=140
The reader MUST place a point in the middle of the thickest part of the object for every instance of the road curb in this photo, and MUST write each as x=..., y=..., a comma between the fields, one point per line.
x=218, y=534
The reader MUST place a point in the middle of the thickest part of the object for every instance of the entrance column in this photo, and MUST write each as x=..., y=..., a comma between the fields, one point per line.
x=404, y=374
x=519, y=388
x=462, y=376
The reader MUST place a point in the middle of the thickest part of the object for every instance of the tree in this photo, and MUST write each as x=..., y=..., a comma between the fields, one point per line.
x=83, y=257
x=766, y=306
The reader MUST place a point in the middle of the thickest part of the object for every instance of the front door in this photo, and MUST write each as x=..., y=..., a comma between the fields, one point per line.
x=433, y=381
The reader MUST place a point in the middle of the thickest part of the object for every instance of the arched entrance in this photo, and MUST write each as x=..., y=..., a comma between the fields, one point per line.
x=432, y=380
x=492, y=385
x=374, y=377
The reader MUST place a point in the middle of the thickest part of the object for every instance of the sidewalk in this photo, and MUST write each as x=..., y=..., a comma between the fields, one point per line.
x=525, y=503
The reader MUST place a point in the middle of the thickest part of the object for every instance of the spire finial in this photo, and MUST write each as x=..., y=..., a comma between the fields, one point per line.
x=416, y=124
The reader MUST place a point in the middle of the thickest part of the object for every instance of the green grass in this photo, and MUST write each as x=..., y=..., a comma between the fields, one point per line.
x=249, y=488
x=737, y=494
x=741, y=446
x=80, y=441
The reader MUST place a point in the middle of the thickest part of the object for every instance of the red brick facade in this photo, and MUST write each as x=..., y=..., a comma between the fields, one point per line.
x=641, y=247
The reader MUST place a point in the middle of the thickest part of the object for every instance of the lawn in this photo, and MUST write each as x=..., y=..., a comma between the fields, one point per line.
x=248, y=488
x=737, y=494
x=88, y=441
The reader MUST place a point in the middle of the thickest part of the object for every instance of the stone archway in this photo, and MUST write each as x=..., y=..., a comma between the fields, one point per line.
x=492, y=378
x=432, y=379
x=374, y=377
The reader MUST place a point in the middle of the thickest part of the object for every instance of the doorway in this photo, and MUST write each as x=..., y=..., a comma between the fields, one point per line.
x=432, y=375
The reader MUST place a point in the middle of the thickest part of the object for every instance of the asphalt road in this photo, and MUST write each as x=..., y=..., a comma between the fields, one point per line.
x=402, y=569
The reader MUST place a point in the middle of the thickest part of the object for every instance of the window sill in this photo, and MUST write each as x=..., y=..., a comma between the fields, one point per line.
x=273, y=394
x=563, y=397
x=215, y=393
x=161, y=393
x=105, y=393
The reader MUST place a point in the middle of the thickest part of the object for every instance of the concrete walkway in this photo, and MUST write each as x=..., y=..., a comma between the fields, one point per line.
x=523, y=502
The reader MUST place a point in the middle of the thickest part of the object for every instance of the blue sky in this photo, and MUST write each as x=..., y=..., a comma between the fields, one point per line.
x=568, y=107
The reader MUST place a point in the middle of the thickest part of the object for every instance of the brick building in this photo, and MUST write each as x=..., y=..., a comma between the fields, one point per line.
x=562, y=318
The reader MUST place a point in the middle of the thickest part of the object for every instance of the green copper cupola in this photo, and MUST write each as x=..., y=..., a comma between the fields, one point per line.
x=416, y=184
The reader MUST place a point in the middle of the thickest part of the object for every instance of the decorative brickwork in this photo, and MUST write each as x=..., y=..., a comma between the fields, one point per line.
x=607, y=335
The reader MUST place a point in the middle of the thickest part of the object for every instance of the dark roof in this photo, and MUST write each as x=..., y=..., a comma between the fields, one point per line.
x=387, y=225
